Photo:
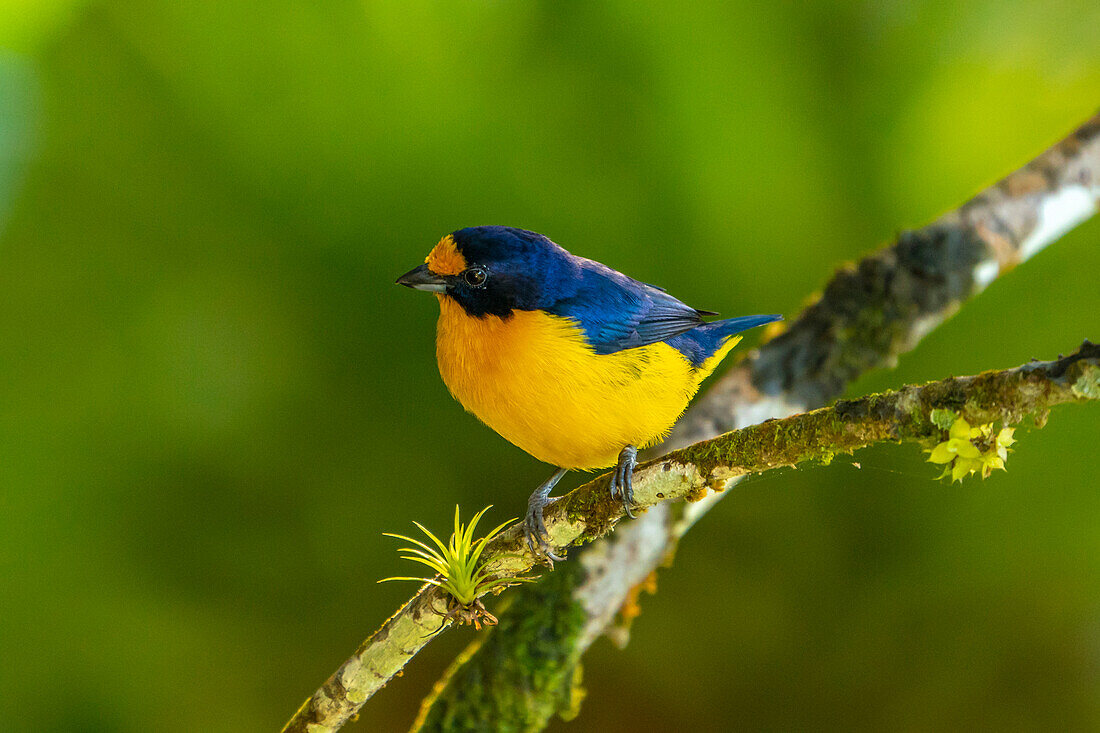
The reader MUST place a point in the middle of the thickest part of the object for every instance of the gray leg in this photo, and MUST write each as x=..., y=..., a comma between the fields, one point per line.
x=622, y=478
x=534, y=528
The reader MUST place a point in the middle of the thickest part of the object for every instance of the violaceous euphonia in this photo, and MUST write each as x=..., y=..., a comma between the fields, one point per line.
x=575, y=363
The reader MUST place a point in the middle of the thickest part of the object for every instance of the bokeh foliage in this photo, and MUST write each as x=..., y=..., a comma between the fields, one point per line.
x=214, y=400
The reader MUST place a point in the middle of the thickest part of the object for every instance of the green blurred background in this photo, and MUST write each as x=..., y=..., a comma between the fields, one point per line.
x=213, y=396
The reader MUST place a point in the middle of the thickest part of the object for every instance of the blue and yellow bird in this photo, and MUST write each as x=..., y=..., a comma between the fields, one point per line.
x=575, y=363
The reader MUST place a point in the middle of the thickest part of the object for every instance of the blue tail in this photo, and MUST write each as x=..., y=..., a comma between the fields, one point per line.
x=699, y=344
x=730, y=326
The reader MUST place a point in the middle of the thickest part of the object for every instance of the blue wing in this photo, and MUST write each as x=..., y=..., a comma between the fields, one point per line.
x=617, y=312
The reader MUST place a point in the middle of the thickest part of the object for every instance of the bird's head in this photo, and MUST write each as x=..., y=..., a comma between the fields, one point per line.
x=494, y=270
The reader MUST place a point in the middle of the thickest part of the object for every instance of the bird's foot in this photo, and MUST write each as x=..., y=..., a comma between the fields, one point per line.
x=622, y=479
x=534, y=527
x=538, y=539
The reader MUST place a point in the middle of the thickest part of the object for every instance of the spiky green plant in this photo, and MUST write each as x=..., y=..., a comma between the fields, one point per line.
x=456, y=563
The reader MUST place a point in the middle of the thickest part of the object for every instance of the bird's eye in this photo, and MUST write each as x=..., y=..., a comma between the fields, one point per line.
x=475, y=277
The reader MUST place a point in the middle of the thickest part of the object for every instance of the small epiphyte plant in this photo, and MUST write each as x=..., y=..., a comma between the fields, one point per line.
x=457, y=570
x=969, y=449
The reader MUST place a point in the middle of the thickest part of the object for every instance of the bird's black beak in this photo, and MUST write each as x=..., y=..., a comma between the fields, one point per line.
x=421, y=278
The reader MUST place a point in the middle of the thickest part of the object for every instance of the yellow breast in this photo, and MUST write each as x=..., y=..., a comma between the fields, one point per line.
x=534, y=379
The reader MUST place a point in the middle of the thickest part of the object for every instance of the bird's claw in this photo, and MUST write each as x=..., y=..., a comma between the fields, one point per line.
x=534, y=527
x=538, y=538
x=622, y=479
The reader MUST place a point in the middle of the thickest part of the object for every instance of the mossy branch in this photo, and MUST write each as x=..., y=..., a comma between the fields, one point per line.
x=867, y=315
x=588, y=512
x=495, y=682
x=1004, y=396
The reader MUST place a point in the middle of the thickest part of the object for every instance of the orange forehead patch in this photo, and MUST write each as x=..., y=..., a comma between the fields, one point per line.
x=445, y=259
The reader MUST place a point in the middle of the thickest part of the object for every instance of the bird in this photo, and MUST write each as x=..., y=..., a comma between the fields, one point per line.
x=568, y=359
